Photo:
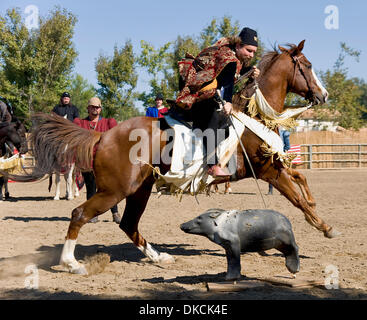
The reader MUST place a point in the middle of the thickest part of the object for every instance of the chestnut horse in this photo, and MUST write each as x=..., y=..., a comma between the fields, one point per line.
x=119, y=174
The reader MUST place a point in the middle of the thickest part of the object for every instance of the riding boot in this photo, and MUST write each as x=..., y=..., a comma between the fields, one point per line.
x=217, y=171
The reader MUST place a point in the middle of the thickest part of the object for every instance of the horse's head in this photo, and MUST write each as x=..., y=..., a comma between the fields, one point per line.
x=302, y=79
x=17, y=136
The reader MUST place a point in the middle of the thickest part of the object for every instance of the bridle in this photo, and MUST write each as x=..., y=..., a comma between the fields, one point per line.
x=296, y=60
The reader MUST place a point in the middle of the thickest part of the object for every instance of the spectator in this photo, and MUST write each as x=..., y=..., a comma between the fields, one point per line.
x=66, y=108
x=284, y=134
x=158, y=110
x=95, y=121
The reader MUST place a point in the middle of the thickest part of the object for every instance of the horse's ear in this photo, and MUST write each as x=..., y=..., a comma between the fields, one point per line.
x=300, y=46
x=282, y=49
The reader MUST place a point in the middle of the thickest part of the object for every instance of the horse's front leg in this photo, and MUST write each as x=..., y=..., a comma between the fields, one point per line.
x=282, y=181
x=135, y=206
x=301, y=181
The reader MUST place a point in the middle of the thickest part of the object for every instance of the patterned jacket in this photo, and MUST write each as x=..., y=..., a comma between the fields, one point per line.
x=199, y=74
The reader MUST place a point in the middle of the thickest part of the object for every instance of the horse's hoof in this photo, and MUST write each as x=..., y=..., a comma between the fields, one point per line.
x=332, y=233
x=116, y=217
x=7, y=196
x=81, y=270
x=166, y=258
x=56, y=198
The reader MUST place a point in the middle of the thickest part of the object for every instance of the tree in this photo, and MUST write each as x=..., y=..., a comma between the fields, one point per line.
x=36, y=66
x=155, y=62
x=81, y=91
x=162, y=63
x=117, y=80
x=344, y=94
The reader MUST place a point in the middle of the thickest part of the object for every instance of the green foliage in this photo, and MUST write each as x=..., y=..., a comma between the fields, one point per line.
x=162, y=63
x=81, y=91
x=36, y=66
x=117, y=80
x=345, y=95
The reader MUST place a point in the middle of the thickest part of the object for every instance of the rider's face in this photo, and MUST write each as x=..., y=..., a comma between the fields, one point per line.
x=246, y=52
x=94, y=110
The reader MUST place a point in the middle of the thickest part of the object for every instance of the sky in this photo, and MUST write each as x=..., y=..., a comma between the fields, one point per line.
x=103, y=24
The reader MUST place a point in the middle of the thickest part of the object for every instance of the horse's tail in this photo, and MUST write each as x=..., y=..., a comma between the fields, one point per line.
x=57, y=143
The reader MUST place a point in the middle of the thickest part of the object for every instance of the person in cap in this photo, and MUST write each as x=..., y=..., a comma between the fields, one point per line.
x=158, y=110
x=66, y=108
x=215, y=67
x=95, y=121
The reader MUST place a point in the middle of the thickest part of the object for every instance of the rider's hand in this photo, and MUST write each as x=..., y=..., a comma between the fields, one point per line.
x=256, y=72
x=227, y=108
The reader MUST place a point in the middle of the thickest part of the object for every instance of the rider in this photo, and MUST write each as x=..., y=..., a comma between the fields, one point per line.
x=217, y=67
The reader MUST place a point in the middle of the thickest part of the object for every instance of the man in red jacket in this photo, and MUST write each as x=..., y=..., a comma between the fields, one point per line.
x=95, y=121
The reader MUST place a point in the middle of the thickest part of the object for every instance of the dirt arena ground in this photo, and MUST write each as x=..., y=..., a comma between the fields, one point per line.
x=33, y=228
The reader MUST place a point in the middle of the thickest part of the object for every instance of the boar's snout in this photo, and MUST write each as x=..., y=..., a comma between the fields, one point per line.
x=186, y=227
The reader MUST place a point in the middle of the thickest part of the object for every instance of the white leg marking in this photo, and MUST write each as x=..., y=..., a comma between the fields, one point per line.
x=57, y=183
x=155, y=255
x=67, y=258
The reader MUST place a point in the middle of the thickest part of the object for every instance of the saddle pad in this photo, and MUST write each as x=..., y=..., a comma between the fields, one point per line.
x=188, y=167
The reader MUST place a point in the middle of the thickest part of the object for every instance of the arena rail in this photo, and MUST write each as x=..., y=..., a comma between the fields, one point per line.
x=333, y=156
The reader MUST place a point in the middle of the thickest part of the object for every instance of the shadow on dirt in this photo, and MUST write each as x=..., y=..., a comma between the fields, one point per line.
x=27, y=219
x=174, y=292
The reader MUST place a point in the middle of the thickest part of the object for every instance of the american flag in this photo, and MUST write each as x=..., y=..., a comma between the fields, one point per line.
x=296, y=148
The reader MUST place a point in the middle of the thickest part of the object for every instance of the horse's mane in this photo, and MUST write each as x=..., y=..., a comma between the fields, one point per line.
x=266, y=61
x=4, y=124
x=269, y=57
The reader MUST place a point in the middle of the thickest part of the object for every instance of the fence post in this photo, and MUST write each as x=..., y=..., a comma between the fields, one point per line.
x=310, y=156
x=359, y=156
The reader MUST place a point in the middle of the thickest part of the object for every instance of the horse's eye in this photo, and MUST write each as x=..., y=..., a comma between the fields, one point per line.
x=309, y=66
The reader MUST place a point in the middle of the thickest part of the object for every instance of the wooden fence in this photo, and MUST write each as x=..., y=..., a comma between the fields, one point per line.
x=325, y=149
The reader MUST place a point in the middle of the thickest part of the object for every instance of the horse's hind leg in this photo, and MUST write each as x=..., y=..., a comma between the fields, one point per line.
x=135, y=206
x=6, y=189
x=98, y=204
x=57, y=183
x=1, y=188
x=301, y=181
x=69, y=184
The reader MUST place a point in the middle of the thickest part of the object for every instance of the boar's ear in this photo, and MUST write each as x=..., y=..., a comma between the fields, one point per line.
x=215, y=213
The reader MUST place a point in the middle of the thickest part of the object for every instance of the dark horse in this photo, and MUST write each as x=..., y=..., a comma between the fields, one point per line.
x=120, y=176
x=13, y=135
